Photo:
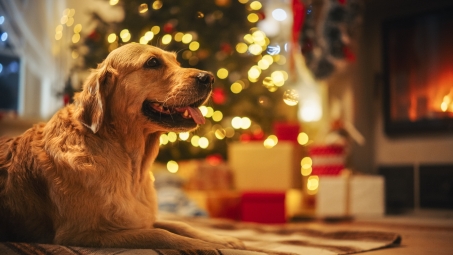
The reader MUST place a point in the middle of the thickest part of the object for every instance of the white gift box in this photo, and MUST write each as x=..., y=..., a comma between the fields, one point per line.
x=356, y=195
x=332, y=197
x=257, y=168
x=366, y=195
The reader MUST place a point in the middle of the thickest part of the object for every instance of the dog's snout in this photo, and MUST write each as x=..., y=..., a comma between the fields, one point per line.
x=205, y=78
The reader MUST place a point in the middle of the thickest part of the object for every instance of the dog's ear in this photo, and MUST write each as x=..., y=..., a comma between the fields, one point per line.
x=90, y=103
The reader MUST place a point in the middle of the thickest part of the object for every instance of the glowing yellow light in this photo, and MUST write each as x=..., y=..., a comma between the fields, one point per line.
x=66, y=12
x=268, y=59
x=193, y=46
x=166, y=39
x=163, y=139
x=243, y=1
x=59, y=28
x=75, y=38
x=278, y=78
x=263, y=65
x=203, y=109
x=77, y=28
x=178, y=36
x=126, y=38
x=111, y=38
x=302, y=138
x=143, y=8
x=155, y=30
x=157, y=5
x=254, y=72
x=445, y=103
x=269, y=143
x=229, y=132
x=70, y=22
x=291, y=97
x=236, y=88
x=236, y=122
x=217, y=116
x=220, y=133
x=114, y=2
x=64, y=19
x=172, y=166
x=194, y=140
x=209, y=112
x=258, y=36
x=172, y=137
x=187, y=38
x=124, y=33
x=255, y=5
x=273, y=138
x=313, y=184
x=149, y=35
x=222, y=73
x=306, y=171
x=255, y=49
x=241, y=47
x=74, y=54
x=143, y=40
x=444, y=106
x=184, y=136
x=245, y=123
x=306, y=162
x=71, y=13
x=203, y=142
x=248, y=38
x=253, y=18
x=58, y=35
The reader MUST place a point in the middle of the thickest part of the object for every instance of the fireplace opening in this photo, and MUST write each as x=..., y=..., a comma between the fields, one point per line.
x=418, y=67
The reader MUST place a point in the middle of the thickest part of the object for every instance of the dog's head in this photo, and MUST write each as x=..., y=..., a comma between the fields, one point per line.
x=143, y=85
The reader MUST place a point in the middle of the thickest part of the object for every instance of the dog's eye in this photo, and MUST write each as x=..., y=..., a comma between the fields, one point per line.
x=152, y=63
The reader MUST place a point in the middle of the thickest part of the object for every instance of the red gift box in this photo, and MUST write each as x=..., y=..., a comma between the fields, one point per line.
x=327, y=159
x=263, y=207
x=287, y=131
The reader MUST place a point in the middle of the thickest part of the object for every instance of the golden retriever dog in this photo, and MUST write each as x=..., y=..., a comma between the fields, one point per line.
x=83, y=178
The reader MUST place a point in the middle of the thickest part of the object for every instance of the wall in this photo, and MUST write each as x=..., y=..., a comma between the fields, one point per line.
x=368, y=105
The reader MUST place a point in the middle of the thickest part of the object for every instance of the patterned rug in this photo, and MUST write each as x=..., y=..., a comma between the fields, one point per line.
x=259, y=239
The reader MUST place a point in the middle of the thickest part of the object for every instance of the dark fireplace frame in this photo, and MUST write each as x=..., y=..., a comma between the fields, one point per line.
x=406, y=127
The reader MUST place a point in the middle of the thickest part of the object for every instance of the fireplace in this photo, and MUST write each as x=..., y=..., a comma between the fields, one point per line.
x=418, y=71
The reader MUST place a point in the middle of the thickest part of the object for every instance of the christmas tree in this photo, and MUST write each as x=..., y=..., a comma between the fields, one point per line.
x=219, y=36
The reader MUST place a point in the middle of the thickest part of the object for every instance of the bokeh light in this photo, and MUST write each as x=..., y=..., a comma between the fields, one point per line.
x=291, y=97
x=172, y=166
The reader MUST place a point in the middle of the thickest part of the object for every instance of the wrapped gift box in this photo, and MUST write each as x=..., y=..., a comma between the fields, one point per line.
x=263, y=207
x=327, y=159
x=332, y=197
x=366, y=195
x=257, y=168
x=356, y=196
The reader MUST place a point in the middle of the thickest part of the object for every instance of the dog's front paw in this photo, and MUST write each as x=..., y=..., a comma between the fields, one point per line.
x=232, y=242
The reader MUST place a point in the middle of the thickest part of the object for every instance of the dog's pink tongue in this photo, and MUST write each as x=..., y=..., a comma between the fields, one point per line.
x=196, y=115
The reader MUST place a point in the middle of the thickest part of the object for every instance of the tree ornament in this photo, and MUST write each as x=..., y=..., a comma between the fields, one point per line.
x=168, y=28
x=218, y=96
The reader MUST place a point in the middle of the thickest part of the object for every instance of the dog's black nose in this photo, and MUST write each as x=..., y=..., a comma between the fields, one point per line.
x=205, y=78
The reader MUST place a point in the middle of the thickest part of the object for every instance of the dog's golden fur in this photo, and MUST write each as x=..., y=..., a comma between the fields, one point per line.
x=84, y=177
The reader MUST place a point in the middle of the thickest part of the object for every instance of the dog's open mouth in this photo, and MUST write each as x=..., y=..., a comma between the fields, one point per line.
x=178, y=117
x=187, y=112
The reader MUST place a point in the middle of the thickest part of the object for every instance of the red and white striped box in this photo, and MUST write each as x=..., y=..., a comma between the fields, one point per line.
x=327, y=159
